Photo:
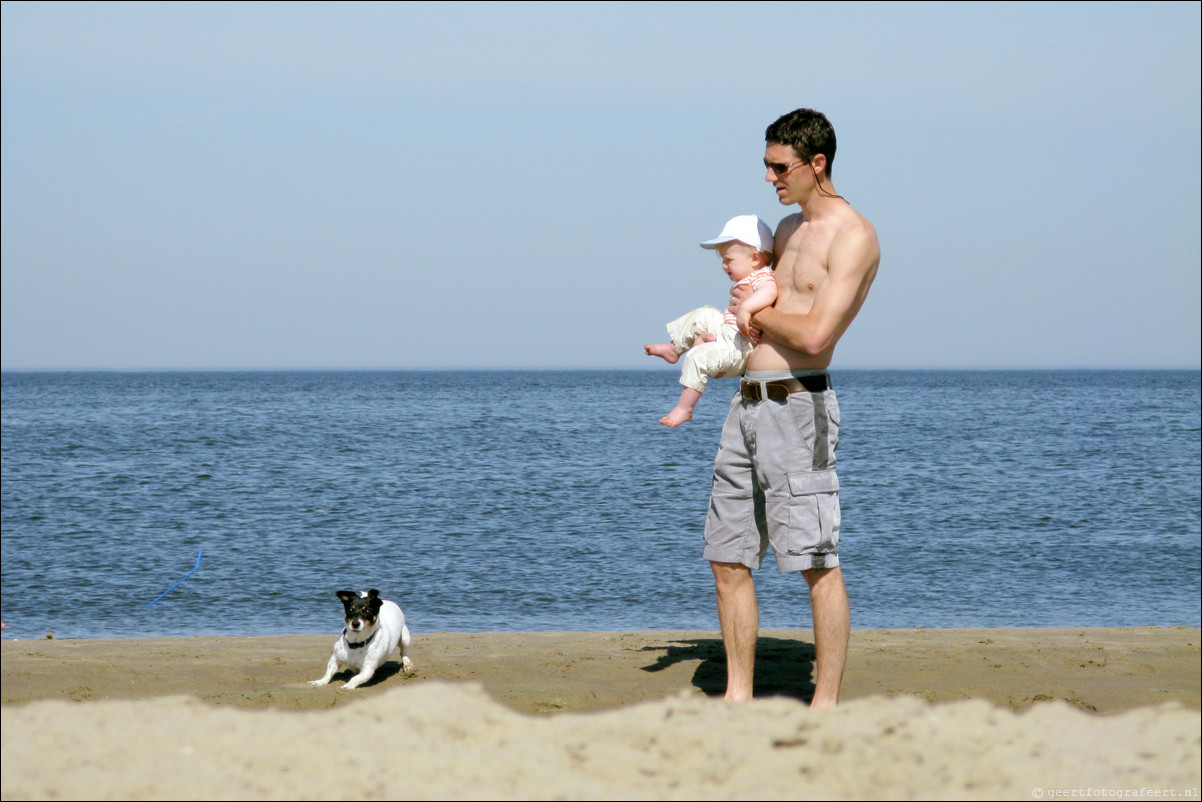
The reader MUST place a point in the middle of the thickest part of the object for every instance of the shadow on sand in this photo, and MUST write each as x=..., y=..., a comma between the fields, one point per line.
x=387, y=670
x=783, y=667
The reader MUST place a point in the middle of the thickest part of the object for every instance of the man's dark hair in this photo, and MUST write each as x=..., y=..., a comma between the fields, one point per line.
x=808, y=132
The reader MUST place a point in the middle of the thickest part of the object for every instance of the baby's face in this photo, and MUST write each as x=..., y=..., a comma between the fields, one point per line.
x=738, y=260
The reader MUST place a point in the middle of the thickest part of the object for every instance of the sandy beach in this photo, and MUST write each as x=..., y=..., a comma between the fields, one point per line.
x=949, y=714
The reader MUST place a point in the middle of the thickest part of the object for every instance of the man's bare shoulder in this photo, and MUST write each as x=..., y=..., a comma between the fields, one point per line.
x=790, y=222
x=785, y=230
x=856, y=239
x=850, y=219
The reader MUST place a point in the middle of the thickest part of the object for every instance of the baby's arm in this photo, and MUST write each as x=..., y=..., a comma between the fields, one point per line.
x=762, y=298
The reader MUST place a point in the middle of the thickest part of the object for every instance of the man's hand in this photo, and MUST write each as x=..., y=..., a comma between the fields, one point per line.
x=738, y=294
x=746, y=302
x=743, y=320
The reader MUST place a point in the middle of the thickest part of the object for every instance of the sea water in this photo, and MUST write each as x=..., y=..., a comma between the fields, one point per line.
x=553, y=500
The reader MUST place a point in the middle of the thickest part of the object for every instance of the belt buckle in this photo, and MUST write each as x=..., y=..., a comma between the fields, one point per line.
x=765, y=391
x=777, y=391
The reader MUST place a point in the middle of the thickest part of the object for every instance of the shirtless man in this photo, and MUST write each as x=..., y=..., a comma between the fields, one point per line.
x=774, y=476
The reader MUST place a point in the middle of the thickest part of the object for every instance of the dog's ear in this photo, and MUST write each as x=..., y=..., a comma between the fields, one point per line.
x=346, y=595
x=373, y=594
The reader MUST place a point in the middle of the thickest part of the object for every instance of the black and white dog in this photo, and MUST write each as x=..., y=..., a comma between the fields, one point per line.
x=374, y=628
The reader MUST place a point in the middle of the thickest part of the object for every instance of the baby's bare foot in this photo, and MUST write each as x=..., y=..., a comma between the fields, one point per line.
x=677, y=416
x=665, y=351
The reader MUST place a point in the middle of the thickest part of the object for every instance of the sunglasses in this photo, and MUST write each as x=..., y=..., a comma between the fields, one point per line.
x=780, y=170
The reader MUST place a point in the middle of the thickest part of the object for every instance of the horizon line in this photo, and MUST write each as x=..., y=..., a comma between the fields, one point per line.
x=514, y=369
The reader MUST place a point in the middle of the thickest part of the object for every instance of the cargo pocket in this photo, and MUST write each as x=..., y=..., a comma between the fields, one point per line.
x=813, y=512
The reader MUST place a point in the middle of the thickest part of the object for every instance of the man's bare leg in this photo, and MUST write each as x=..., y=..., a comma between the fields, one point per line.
x=665, y=351
x=739, y=617
x=683, y=411
x=832, y=630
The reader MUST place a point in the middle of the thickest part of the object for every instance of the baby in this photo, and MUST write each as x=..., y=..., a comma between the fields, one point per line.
x=716, y=344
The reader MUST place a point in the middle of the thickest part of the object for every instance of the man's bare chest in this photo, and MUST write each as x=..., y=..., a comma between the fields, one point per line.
x=802, y=268
x=798, y=283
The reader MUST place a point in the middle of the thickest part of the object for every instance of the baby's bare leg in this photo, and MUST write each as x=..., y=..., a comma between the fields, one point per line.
x=683, y=411
x=667, y=351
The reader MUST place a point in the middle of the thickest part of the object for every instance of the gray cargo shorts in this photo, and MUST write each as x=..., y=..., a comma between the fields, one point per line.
x=775, y=483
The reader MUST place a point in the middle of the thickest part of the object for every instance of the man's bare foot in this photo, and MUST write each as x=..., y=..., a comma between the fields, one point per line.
x=677, y=416
x=665, y=351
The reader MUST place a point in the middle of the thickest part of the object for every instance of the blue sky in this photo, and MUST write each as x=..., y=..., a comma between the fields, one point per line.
x=283, y=185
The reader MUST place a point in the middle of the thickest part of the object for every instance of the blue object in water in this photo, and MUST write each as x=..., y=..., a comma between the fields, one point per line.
x=177, y=584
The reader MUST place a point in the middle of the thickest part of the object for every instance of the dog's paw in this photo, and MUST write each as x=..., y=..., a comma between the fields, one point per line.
x=318, y=682
x=407, y=665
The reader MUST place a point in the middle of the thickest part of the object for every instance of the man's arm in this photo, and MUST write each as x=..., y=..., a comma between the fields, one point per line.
x=851, y=266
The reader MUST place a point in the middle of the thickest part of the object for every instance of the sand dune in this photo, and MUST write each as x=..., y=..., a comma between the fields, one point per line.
x=927, y=714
